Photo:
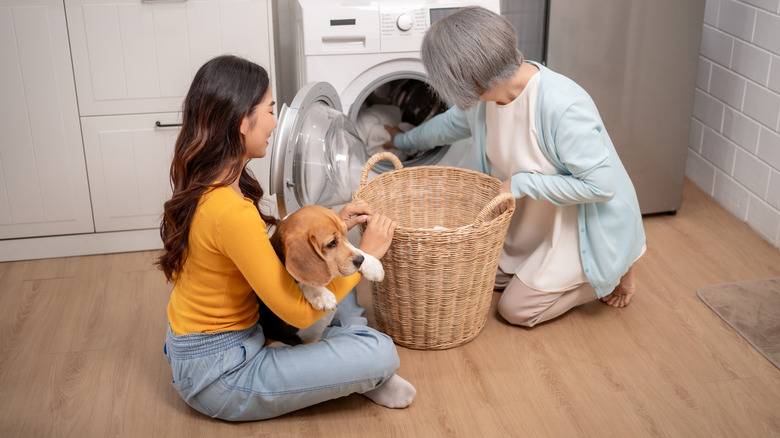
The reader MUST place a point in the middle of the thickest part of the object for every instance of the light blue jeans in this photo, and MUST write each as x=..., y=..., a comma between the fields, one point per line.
x=234, y=376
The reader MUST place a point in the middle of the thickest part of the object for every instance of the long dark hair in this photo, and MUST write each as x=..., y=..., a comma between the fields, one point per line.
x=224, y=91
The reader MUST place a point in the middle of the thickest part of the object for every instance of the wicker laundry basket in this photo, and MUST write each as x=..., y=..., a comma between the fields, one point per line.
x=441, y=266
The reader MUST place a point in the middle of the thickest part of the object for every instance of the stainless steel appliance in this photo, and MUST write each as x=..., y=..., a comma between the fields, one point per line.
x=638, y=60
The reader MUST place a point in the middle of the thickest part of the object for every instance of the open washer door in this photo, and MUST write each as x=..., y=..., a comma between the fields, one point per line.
x=317, y=156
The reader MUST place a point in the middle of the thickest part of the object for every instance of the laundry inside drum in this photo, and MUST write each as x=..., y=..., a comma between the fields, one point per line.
x=403, y=103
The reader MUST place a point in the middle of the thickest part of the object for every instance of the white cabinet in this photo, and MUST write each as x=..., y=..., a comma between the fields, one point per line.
x=133, y=56
x=129, y=159
x=133, y=63
x=43, y=182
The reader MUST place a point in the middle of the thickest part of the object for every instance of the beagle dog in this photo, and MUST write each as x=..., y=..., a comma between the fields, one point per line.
x=312, y=244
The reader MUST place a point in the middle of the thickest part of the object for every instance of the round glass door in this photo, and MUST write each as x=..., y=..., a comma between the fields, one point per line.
x=317, y=156
x=328, y=157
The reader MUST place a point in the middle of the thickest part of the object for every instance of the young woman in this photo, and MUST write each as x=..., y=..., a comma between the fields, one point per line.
x=577, y=228
x=218, y=256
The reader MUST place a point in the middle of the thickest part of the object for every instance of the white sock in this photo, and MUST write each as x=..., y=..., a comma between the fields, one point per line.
x=394, y=393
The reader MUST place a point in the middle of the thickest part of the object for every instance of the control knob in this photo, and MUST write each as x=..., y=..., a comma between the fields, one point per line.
x=404, y=22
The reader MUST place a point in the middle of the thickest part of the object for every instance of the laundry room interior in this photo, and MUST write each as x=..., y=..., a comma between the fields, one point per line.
x=93, y=97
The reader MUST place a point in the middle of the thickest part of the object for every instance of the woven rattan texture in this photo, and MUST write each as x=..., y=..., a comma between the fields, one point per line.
x=441, y=266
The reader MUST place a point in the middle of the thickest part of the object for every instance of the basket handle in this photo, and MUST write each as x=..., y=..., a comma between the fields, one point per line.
x=375, y=159
x=492, y=205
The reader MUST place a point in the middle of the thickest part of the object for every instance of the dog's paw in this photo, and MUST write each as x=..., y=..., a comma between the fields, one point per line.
x=325, y=302
x=319, y=297
x=372, y=268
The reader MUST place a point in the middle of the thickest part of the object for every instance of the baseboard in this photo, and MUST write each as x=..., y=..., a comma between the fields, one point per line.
x=79, y=245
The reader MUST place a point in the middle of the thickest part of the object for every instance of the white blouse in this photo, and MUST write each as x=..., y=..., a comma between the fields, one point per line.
x=542, y=245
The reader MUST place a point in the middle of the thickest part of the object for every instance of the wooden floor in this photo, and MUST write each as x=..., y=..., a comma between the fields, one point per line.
x=81, y=355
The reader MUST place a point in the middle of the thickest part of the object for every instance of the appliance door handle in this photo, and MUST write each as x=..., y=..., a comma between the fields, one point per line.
x=166, y=125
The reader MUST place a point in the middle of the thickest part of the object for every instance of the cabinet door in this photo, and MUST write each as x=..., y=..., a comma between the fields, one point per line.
x=43, y=181
x=132, y=56
x=128, y=159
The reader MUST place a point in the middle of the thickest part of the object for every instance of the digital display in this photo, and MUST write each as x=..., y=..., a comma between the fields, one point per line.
x=343, y=22
x=439, y=13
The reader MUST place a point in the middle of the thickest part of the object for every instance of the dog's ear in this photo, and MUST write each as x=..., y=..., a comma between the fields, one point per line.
x=305, y=262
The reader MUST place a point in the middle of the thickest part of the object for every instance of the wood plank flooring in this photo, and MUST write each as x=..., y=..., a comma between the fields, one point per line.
x=81, y=355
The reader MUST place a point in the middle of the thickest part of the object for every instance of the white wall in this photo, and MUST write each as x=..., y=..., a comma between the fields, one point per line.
x=734, y=151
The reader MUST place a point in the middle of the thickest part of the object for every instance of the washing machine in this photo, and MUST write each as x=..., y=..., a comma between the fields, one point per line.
x=354, y=57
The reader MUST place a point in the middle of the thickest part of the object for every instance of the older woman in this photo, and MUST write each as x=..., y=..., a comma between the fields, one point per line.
x=577, y=229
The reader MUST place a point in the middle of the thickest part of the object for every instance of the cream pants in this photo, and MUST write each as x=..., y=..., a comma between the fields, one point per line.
x=522, y=305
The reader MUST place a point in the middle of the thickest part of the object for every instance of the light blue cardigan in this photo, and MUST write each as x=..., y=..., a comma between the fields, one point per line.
x=572, y=136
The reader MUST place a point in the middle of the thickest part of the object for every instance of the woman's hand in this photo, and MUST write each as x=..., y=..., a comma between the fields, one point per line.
x=393, y=131
x=356, y=212
x=378, y=235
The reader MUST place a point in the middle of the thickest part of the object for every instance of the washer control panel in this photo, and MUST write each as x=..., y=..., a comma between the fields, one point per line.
x=360, y=26
x=401, y=28
x=402, y=25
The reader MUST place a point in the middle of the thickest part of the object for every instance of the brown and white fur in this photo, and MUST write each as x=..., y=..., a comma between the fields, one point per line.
x=312, y=244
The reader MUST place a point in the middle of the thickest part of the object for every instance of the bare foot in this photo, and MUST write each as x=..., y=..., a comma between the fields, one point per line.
x=621, y=296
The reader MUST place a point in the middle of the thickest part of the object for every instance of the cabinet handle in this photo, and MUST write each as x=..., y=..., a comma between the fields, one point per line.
x=166, y=125
x=163, y=1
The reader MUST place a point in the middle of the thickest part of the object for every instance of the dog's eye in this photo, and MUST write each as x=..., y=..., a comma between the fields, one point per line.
x=332, y=244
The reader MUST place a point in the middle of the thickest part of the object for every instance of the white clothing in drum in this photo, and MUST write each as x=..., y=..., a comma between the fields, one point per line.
x=371, y=123
x=542, y=245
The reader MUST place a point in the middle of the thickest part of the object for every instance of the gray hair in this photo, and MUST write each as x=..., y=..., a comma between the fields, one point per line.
x=467, y=53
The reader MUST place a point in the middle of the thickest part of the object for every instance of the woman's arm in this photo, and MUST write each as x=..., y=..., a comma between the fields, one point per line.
x=244, y=239
x=445, y=128
x=580, y=144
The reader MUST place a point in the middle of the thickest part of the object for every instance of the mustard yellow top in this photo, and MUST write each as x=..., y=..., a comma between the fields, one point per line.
x=230, y=262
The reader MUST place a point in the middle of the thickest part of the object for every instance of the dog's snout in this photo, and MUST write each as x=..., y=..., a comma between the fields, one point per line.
x=358, y=260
